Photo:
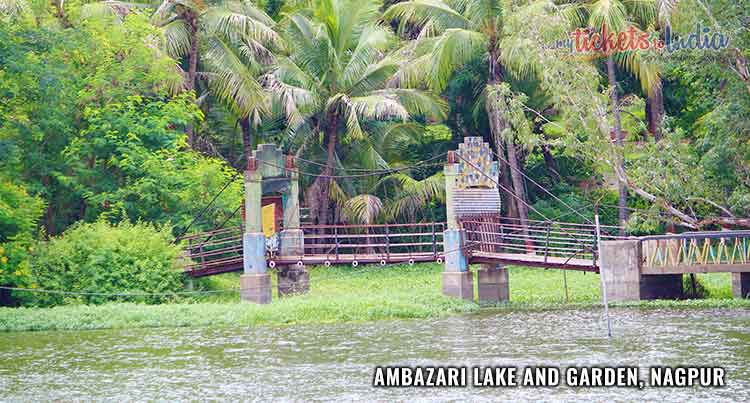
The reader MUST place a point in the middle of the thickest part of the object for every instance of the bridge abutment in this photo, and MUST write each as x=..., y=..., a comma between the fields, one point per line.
x=621, y=267
x=741, y=285
x=492, y=283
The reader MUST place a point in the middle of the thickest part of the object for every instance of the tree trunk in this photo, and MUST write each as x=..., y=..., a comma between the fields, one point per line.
x=192, y=22
x=510, y=201
x=620, y=158
x=247, y=137
x=655, y=111
x=320, y=205
x=550, y=163
x=496, y=111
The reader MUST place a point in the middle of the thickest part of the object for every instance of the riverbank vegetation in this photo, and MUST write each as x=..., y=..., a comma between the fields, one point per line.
x=345, y=294
x=144, y=114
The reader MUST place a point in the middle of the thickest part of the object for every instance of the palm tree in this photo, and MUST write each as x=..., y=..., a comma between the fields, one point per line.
x=454, y=32
x=240, y=46
x=334, y=83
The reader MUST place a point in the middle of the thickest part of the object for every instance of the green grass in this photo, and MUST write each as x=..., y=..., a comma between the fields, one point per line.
x=344, y=294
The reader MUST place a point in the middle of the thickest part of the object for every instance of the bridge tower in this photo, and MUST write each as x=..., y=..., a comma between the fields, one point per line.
x=471, y=177
x=269, y=171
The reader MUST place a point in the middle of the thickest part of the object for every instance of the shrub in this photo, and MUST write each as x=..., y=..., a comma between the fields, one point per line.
x=19, y=213
x=105, y=258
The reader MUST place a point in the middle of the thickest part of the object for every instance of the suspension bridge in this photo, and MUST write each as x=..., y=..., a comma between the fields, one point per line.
x=474, y=232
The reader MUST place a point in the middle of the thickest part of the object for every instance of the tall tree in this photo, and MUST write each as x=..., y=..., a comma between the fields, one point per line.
x=334, y=82
x=615, y=16
x=240, y=46
x=453, y=33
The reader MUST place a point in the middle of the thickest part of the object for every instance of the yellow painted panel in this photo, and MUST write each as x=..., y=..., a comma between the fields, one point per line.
x=268, y=212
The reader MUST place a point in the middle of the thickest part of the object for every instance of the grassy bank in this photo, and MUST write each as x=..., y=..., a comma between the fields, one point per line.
x=343, y=294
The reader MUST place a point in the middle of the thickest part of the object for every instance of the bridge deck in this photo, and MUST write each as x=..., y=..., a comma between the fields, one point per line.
x=532, y=260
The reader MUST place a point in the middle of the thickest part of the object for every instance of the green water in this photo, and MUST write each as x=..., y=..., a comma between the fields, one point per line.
x=335, y=362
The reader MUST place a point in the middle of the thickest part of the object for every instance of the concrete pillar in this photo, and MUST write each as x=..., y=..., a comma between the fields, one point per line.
x=458, y=281
x=292, y=280
x=621, y=268
x=741, y=285
x=255, y=287
x=255, y=282
x=291, y=198
x=450, y=172
x=492, y=283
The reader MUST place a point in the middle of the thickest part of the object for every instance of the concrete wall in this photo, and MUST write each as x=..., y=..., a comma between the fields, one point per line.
x=620, y=266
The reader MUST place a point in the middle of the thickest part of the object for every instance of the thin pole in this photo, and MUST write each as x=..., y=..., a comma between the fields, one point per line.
x=565, y=284
x=601, y=274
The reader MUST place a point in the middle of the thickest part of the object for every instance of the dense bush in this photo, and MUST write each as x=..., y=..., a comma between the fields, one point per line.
x=19, y=213
x=102, y=258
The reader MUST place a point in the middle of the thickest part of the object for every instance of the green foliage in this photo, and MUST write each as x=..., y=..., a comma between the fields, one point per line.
x=104, y=258
x=19, y=213
x=131, y=162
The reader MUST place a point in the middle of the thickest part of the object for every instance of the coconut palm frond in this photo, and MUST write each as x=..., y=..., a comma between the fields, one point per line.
x=452, y=50
x=414, y=195
x=363, y=208
x=233, y=80
x=647, y=71
x=611, y=14
x=643, y=11
x=417, y=102
x=421, y=12
x=237, y=26
x=176, y=38
x=368, y=52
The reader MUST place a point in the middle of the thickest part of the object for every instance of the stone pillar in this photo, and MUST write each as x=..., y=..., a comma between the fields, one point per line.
x=255, y=282
x=492, y=283
x=621, y=267
x=741, y=285
x=458, y=280
x=292, y=280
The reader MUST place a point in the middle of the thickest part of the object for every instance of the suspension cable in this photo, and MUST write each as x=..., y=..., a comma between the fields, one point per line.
x=216, y=196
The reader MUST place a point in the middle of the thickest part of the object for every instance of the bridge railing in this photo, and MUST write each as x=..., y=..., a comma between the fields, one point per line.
x=214, y=250
x=387, y=242
x=712, y=250
x=495, y=234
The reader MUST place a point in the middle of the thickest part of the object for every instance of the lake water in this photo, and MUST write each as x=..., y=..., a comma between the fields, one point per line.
x=327, y=362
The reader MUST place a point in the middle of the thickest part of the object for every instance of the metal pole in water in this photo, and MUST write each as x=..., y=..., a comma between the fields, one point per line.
x=601, y=274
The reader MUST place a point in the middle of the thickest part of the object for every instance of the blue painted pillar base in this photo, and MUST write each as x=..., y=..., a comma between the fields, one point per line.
x=455, y=259
x=254, y=253
x=255, y=283
x=458, y=281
